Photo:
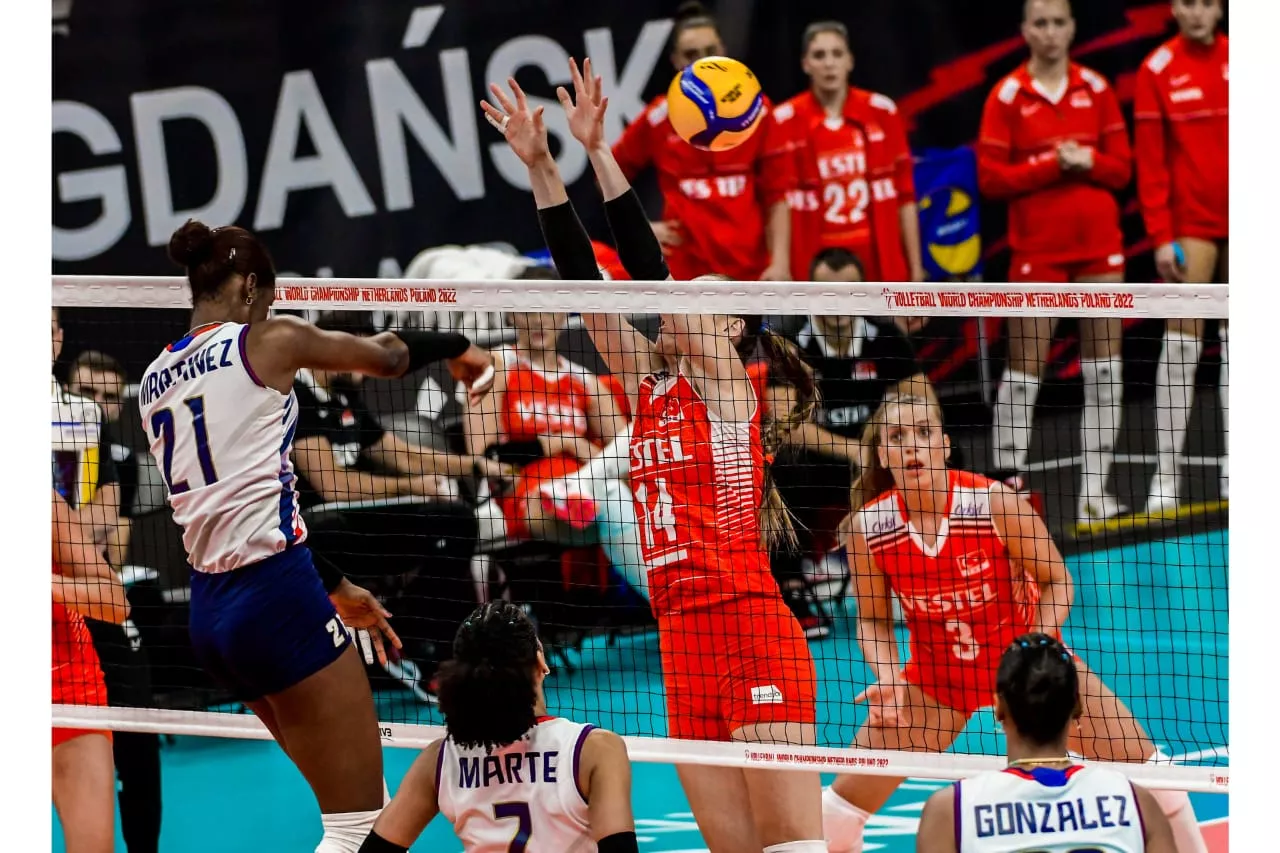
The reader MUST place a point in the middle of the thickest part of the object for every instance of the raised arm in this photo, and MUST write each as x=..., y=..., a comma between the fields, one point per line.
x=628, y=353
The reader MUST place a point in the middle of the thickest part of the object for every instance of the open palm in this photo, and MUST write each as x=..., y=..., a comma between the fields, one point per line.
x=524, y=129
x=585, y=110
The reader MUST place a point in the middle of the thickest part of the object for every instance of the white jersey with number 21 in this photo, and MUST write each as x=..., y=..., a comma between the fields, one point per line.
x=222, y=440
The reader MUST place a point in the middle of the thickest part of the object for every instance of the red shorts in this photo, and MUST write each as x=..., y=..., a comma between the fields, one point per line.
x=61, y=736
x=531, y=477
x=1038, y=268
x=745, y=661
x=964, y=686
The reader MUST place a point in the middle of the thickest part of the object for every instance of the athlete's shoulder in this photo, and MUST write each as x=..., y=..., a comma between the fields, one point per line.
x=1006, y=91
x=655, y=112
x=1160, y=58
x=881, y=517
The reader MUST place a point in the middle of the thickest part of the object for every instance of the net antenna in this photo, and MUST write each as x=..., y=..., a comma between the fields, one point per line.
x=1202, y=768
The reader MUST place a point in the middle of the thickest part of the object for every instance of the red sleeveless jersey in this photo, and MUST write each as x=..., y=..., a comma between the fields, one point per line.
x=697, y=483
x=77, y=675
x=961, y=598
x=543, y=402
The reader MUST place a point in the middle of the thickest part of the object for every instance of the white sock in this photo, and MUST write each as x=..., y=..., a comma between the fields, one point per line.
x=344, y=832
x=1100, y=422
x=1175, y=389
x=1224, y=389
x=842, y=823
x=798, y=847
x=1011, y=427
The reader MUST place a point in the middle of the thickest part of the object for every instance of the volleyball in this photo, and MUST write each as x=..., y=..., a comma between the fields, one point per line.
x=715, y=104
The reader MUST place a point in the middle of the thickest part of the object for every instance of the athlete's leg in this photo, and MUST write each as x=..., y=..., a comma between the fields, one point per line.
x=1029, y=339
x=718, y=798
x=1109, y=731
x=928, y=726
x=262, y=710
x=786, y=805
x=330, y=725
x=1175, y=379
x=1101, y=369
x=84, y=782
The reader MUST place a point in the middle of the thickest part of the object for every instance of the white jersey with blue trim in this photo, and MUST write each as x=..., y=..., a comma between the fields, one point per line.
x=523, y=796
x=222, y=440
x=1075, y=810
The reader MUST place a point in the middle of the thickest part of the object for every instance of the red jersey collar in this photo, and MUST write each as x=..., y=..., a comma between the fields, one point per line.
x=854, y=104
x=1195, y=48
x=1075, y=80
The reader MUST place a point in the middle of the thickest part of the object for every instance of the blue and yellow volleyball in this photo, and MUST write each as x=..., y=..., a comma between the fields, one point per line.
x=715, y=103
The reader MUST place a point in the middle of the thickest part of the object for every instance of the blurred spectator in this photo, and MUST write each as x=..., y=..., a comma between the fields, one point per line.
x=343, y=455
x=85, y=469
x=1180, y=111
x=722, y=211
x=852, y=166
x=99, y=377
x=567, y=430
x=855, y=361
x=1053, y=144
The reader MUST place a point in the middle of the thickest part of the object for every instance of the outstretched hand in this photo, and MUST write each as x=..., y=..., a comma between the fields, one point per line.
x=585, y=110
x=524, y=130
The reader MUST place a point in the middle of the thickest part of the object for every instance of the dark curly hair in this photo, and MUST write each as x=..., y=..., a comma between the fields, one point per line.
x=1039, y=684
x=487, y=692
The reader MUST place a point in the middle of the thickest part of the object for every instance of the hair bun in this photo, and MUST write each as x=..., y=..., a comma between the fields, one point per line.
x=691, y=9
x=191, y=245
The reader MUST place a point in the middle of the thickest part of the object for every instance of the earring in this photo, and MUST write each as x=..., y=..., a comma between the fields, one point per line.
x=248, y=300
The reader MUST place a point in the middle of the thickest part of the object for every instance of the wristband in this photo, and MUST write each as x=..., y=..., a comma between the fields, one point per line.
x=330, y=575
x=429, y=347
x=619, y=842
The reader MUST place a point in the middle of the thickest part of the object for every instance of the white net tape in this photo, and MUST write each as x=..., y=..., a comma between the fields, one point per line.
x=1207, y=301
x=766, y=298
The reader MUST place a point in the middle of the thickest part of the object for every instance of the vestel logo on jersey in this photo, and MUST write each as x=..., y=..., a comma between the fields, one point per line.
x=955, y=601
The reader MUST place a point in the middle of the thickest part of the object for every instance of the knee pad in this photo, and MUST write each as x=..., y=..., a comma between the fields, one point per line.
x=344, y=832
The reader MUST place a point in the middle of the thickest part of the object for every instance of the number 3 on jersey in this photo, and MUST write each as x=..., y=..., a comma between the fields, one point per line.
x=165, y=431
x=965, y=647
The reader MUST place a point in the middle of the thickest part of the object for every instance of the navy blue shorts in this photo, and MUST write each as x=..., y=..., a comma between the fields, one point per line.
x=263, y=628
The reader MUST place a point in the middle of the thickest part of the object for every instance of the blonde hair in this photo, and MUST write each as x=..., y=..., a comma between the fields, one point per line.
x=874, y=479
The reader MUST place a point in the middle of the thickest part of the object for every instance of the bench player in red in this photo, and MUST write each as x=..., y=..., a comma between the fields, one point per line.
x=1180, y=108
x=1053, y=144
x=84, y=778
x=735, y=662
x=974, y=569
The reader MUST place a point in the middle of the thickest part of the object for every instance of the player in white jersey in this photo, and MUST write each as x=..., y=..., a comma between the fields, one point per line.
x=1043, y=801
x=507, y=776
x=219, y=409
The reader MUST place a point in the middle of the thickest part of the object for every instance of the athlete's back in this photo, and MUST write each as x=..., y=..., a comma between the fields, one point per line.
x=222, y=440
x=1050, y=810
x=527, y=790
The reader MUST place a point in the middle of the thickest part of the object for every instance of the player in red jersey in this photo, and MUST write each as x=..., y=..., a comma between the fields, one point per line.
x=855, y=185
x=1053, y=143
x=546, y=414
x=735, y=662
x=1180, y=136
x=84, y=778
x=722, y=211
x=973, y=570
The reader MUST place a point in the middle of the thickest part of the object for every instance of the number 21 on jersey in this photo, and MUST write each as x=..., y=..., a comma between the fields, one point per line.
x=164, y=428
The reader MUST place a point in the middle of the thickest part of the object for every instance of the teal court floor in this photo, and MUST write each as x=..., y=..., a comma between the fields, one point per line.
x=1150, y=618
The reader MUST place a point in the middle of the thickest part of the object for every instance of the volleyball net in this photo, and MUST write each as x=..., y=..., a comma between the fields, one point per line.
x=1101, y=409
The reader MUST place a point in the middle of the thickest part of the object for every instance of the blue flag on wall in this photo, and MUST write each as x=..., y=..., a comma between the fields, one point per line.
x=947, y=193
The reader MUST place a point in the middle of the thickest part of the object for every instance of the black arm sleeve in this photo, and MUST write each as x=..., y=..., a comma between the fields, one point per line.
x=638, y=248
x=568, y=243
x=619, y=842
x=375, y=843
x=429, y=347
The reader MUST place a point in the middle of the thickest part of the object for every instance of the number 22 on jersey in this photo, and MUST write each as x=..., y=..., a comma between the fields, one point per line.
x=165, y=430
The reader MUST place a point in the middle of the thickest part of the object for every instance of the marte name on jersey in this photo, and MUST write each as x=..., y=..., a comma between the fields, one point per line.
x=480, y=771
